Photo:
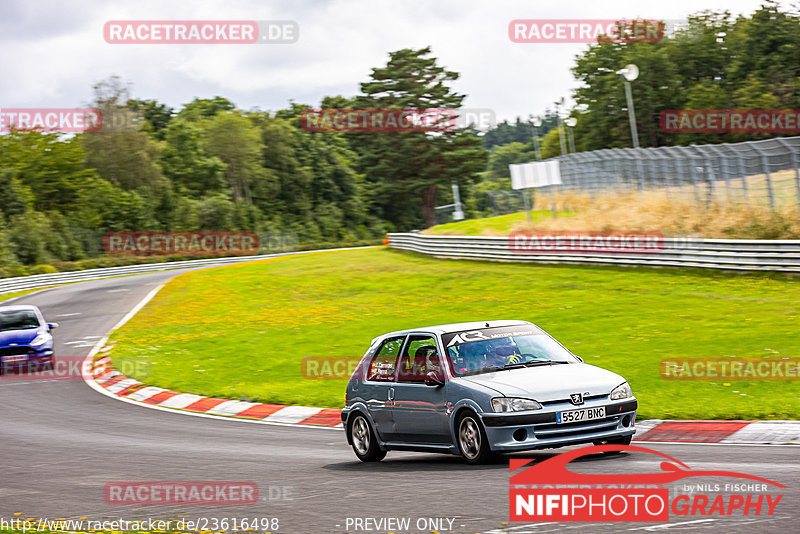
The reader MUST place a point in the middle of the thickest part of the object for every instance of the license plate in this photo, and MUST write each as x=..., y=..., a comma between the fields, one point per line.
x=576, y=416
x=20, y=358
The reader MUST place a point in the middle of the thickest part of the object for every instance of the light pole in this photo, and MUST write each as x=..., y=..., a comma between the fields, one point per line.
x=571, y=122
x=628, y=74
x=560, y=126
x=536, y=122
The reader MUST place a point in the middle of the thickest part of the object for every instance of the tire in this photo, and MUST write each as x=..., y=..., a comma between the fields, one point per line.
x=365, y=444
x=471, y=439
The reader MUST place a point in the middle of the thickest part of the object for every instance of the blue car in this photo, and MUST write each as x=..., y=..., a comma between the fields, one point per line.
x=26, y=340
x=478, y=389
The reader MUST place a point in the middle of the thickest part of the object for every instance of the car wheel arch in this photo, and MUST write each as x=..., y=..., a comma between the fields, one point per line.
x=349, y=423
x=460, y=408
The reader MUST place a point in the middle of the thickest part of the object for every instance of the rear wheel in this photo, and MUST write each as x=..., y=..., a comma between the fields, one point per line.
x=365, y=445
x=472, y=441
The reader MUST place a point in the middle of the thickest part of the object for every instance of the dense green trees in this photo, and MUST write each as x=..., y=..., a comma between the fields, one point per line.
x=211, y=166
x=407, y=172
x=716, y=62
x=518, y=132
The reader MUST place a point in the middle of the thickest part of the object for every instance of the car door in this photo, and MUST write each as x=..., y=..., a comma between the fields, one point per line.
x=419, y=410
x=378, y=386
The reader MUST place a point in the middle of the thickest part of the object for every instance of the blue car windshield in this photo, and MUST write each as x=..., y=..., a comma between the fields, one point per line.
x=18, y=320
x=507, y=352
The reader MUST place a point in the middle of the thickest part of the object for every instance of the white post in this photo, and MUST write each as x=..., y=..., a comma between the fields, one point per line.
x=458, y=212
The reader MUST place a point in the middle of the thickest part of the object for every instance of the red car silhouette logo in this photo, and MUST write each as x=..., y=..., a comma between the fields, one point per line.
x=554, y=470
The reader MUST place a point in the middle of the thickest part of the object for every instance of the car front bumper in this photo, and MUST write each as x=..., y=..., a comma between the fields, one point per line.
x=25, y=357
x=510, y=432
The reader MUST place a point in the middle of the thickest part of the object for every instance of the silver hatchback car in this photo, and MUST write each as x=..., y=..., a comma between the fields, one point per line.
x=477, y=389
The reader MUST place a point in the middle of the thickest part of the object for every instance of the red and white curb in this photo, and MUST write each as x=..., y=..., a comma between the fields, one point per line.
x=116, y=384
x=734, y=432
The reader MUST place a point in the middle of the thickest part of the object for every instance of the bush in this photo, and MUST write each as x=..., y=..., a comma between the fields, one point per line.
x=28, y=235
x=42, y=269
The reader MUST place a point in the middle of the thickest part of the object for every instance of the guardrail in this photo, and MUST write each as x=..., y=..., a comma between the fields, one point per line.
x=729, y=254
x=21, y=283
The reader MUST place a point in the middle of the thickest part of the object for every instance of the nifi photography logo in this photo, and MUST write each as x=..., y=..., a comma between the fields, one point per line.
x=549, y=491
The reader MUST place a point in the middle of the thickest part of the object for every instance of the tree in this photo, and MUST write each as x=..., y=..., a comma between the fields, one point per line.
x=505, y=133
x=766, y=47
x=501, y=157
x=519, y=132
x=187, y=164
x=121, y=152
x=400, y=166
x=714, y=63
x=234, y=140
x=205, y=108
x=52, y=171
x=156, y=116
x=551, y=144
x=311, y=185
x=15, y=196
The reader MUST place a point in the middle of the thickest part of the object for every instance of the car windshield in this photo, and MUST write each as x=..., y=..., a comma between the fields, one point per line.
x=507, y=353
x=18, y=320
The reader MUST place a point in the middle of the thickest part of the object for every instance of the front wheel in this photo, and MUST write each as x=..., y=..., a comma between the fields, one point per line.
x=472, y=441
x=365, y=445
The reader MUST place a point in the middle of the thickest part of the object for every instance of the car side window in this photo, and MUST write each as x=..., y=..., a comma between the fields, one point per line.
x=418, y=359
x=382, y=365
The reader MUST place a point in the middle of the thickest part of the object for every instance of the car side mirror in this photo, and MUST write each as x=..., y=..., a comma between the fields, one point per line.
x=52, y=325
x=433, y=378
x=579, y=358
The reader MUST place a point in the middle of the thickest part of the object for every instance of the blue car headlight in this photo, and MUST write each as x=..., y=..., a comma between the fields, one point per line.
x=512, y=404
x=40, y=339
x=622, y=391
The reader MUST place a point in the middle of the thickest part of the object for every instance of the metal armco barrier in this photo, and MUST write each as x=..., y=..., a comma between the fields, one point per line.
x=21, y=283
x=729, y=254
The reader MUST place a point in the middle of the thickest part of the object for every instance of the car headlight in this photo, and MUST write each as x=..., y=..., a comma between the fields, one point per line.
x=511, y=404
x=40, y=339
x=622, y=391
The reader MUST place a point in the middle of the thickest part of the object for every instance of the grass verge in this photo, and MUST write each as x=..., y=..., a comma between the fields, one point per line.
x=663, y=211
x=499, y=225
x=242, y=331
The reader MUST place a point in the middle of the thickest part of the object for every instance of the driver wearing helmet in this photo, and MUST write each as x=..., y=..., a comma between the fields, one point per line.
x=500, y=352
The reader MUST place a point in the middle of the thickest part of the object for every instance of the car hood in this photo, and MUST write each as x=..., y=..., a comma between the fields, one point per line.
x=550, y=383
x=20, y=337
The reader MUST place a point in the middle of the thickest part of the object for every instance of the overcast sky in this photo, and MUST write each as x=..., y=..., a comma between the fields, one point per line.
x=51, y=52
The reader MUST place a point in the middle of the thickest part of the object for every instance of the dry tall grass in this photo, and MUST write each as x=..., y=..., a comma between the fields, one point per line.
x=672, y=215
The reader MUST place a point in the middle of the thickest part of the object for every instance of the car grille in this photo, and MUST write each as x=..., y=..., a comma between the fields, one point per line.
x=14, y=351
x=572, y=429
x=567, y=401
